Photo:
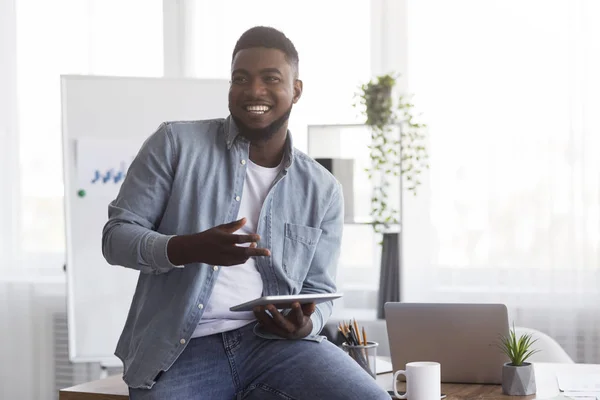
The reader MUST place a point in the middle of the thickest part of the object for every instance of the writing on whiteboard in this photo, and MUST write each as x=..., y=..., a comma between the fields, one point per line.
x=110, y=176
x=102, y=164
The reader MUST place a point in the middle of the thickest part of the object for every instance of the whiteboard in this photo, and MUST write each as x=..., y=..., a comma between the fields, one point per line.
x=104, y=122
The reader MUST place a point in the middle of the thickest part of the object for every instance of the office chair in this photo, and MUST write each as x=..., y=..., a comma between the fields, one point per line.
x=550, y=350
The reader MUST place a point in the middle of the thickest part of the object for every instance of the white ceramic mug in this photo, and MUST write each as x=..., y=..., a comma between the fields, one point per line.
x=423, y=381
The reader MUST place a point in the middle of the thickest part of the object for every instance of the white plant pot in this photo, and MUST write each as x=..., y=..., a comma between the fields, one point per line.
x=518, y=381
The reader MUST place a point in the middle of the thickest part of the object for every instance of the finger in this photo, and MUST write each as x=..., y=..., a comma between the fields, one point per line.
x=244, y=238
x=253, y=245
x=233, y=226
x=267, y=322
x=260, y=314
x=251, y=252
x=280, y=320
x=272, y=328
x=296, y=314
x=308, y=309
x=268, y=325
x=238, y=255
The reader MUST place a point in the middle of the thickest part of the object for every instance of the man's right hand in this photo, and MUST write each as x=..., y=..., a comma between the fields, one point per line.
x=215, y=246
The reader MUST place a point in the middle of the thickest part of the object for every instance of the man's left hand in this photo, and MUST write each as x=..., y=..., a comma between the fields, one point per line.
x=295, y=325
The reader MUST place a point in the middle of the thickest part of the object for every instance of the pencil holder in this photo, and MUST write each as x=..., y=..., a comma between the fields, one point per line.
x=364, y=355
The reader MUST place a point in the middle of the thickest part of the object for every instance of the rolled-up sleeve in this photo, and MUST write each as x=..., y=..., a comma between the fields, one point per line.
x=129, y=237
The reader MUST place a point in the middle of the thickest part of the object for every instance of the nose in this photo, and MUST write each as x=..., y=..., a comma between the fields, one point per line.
x=256, y=88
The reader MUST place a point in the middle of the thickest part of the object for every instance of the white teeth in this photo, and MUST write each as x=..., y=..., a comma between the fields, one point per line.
x=258, y=109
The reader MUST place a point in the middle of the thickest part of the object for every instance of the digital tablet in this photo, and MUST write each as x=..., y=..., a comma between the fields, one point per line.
x=282, y=302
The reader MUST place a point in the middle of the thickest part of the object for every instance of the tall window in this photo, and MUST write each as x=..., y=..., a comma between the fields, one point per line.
x=101, y=37
x=510, y=91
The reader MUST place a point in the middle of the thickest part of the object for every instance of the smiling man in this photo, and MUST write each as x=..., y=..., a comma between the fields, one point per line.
x=215, y=213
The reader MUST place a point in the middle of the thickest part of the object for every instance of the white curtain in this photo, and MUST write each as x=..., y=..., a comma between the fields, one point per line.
x=510, y=211
x=51, y=38
x=39, y=41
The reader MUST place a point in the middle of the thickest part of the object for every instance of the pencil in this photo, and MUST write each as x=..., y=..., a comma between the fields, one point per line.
x=357, y=332
x=353, y=335
x=364, y=336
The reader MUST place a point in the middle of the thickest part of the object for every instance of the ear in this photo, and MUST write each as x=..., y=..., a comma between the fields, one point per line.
x=297, y=90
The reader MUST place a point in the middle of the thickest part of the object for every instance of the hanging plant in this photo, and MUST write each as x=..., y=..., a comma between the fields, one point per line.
x=392, y=155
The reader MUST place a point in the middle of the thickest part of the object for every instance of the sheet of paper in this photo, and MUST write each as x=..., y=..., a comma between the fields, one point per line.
x=569, y=382
x=562, y=396
x=582, y=395
x=383, y=367
x=101, y=164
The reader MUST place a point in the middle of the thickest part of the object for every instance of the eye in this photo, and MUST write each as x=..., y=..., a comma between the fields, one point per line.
x=239, y=80
x=272, y=79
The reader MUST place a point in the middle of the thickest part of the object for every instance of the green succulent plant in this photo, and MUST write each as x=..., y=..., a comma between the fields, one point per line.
x=518, y=349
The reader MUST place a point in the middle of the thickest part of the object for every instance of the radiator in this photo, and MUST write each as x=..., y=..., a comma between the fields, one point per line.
x=34, y=358
x=66, y=373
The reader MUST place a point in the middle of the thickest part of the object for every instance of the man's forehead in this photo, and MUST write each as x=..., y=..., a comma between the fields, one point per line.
x=259, y=58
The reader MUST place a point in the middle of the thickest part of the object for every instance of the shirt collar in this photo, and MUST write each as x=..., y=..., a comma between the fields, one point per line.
x=232, y=132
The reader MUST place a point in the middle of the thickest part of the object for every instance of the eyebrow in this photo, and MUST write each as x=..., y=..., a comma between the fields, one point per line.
x=262, y=71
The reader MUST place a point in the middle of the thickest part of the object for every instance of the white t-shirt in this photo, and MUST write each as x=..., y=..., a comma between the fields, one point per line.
x=239, y=283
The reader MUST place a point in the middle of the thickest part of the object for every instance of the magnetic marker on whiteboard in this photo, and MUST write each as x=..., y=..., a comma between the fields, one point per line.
x=81, y=193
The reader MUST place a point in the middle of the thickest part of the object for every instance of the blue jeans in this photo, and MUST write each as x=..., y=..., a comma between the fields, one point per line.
x=240, y=365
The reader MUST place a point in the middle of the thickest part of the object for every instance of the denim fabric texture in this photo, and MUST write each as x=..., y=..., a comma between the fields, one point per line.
x=240, y=365
x=188, y=177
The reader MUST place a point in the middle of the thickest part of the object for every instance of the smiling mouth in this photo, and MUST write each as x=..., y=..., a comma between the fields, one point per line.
x=258, y=109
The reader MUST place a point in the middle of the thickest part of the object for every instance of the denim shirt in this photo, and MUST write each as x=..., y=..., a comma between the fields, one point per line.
x=189, y=177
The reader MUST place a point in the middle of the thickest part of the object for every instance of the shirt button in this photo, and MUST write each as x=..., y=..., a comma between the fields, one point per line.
x=243, y=162
x=215, y=268
x=201, y=306
x=182, y=341
x=237, y=198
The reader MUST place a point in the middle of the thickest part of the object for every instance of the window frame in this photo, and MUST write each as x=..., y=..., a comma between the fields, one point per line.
x=9, y=162
x=388, y=52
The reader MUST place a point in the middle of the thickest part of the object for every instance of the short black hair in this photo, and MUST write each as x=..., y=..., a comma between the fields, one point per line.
x=271, y=38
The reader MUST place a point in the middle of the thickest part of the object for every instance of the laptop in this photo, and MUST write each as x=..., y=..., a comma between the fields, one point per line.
x=462, y=337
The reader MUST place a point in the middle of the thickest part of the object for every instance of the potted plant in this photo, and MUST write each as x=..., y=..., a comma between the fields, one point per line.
x=518, y=378
x=394, y=152
x=397, y=153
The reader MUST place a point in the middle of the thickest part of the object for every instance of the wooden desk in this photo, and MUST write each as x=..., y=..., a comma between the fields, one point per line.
x=545, y=380
x=113, y=388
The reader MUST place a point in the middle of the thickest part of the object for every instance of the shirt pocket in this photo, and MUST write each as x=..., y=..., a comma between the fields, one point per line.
x=299, y=247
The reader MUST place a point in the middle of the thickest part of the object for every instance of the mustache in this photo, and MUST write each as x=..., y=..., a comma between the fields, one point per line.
x=262, y=134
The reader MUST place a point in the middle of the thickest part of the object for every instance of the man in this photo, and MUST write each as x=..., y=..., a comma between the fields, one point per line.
x=216, y=213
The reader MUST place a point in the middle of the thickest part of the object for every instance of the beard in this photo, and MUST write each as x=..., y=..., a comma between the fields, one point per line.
x=262, y=134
